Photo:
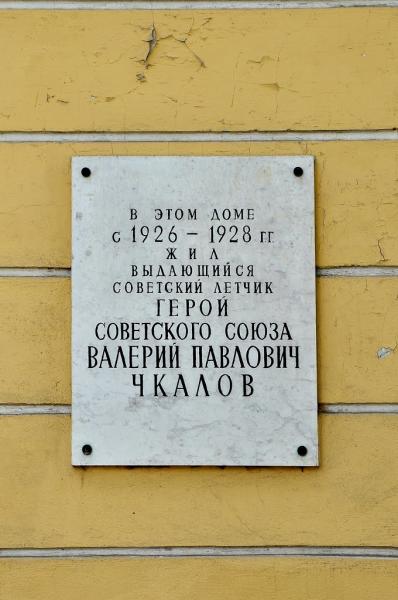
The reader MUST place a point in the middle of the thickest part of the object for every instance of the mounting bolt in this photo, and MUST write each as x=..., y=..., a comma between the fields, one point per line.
x=298, y=171
x=86, y=172
x=87, y=449
x=302, y=451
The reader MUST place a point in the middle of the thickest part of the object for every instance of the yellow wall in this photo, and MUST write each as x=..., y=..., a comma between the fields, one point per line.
x=198, y=578
x=326, y=81
x=215, y=70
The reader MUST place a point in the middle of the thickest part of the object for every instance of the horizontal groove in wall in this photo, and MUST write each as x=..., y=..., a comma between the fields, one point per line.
x=357, y=272
x=359, y=409
x=34, y=272
x=202, y=551
x=195, y=4
x=65, y=409
x=320, y=272
x=255, y=136
x=34, y=409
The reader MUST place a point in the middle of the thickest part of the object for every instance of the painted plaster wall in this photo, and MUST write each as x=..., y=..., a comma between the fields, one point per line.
x=93, y=78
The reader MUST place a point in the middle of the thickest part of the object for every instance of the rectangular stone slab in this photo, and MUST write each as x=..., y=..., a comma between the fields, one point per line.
x=193, y=311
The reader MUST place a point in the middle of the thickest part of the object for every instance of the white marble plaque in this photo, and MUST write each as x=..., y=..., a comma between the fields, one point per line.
x=193, y=296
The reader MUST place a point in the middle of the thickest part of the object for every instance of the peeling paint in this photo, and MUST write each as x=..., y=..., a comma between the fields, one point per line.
x=152, y=43
x=385, y=351
x=381, y=251
x=260, y=61
x=200, y=61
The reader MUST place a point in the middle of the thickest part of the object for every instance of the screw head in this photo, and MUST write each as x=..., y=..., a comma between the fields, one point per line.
x=302, y=451
x=86, y=172
x=298, y=171
x=87, y=449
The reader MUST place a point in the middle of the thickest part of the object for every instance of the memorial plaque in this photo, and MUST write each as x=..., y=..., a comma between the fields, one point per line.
x=193, y=296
